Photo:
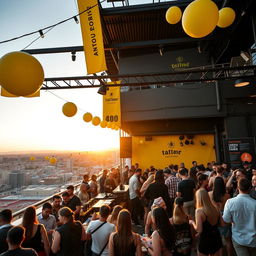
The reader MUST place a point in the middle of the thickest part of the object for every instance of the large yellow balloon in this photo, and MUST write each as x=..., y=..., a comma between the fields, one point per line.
x=87, y=117
x=200, y=18
x=96, y=120
x=226, y=17
x=69, y=109
x=21, y=74
x=53, y=160
x=173, y=15
x=103, y=124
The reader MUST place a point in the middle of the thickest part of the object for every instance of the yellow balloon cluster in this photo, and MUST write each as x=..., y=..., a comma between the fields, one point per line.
x=201, y=17
x=88, y=117
x=21, y=74
x=69, y=109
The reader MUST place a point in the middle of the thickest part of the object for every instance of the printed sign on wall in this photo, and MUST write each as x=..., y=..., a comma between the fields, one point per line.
x=162, y=151
x=239, y=150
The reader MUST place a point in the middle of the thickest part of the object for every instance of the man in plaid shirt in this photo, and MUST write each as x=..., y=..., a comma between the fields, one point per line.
x=171, y=182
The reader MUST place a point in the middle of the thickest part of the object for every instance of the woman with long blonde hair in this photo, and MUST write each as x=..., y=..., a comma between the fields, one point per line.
x=208, y=218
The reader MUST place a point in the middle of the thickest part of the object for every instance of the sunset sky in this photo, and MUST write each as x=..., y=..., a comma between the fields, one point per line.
x=38, y=123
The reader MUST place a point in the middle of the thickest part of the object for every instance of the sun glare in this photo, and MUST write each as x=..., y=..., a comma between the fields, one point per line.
x=97, y=141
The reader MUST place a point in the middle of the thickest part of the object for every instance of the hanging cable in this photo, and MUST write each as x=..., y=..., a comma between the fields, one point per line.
x=65, y=101
x=51, y=26
x=37, y=38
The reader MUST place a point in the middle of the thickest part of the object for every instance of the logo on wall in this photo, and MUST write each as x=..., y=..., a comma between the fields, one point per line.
x=246, y=157
x=179, y=59
x=180, y=63
x=170, y=144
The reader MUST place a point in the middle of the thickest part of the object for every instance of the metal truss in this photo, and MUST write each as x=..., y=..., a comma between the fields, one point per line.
x=204, y=74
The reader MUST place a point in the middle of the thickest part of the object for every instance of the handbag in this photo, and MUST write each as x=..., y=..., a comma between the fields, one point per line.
x=88, y=243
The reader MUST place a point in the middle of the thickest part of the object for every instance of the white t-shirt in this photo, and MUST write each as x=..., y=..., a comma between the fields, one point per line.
x=101, y=236
x=133, y=186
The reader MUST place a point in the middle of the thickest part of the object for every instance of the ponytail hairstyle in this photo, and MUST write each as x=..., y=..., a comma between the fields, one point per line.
x=67, y=213
x=200, y=179
x=179, y=215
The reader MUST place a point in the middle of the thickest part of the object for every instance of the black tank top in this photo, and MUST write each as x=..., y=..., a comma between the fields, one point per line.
x=70, y=243
x=130, y=250
x=183, y=239
x=35, y=242
x=209, y=240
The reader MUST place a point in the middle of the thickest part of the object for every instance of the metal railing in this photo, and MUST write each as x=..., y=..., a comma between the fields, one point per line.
x=17, y=216
x=87, y=207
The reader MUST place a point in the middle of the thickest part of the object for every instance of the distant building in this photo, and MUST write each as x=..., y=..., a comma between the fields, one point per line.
x=17, y=179
x=41, y=190
x=52, y=180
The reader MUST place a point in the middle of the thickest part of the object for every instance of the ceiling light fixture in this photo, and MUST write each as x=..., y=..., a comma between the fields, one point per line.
x=103, y=90
x=241, y=83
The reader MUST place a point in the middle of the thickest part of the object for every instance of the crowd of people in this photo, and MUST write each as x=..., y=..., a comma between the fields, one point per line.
x=210, y=209
x=195, y=211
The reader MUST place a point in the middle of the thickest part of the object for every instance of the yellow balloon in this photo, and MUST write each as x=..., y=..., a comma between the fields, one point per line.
x=226, y=17
x=173, y=15
x=112, y=126
x=103, y=124
x=96, y=120
x=53, y=160
x=109, y=125
x=200, y=18
x=69, y=109
x=21, y=74
x=32, y=158
x=87, y=117
x=46, y=157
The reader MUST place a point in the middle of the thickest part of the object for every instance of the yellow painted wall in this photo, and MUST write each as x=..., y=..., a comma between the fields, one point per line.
x=165, y=150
